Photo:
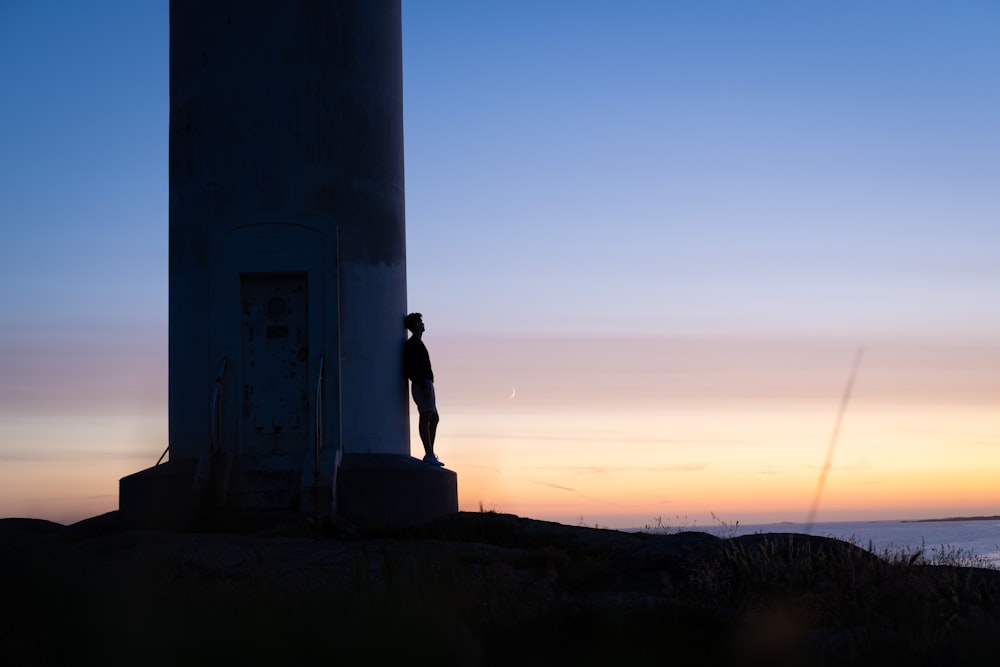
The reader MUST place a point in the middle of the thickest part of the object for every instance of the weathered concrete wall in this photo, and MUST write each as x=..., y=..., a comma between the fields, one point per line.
x=286, y=157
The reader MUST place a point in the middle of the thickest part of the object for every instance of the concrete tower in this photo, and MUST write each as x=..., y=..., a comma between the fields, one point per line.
x=287, y=264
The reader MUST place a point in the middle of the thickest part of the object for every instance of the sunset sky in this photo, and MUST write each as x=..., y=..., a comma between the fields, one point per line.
x=648, y=238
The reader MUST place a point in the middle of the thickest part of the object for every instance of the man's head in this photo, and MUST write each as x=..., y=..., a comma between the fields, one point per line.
x=414, y=322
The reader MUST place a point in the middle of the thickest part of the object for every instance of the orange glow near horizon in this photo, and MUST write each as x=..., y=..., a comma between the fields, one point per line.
x=744, y=465
x=620, y=433
x=692, y=428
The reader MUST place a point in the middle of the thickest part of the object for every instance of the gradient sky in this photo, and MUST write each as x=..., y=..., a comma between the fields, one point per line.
x=664, y=227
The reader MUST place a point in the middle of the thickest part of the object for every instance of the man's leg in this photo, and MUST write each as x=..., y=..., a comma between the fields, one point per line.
x=425, y=433
x=428, y=431
x=432, y=428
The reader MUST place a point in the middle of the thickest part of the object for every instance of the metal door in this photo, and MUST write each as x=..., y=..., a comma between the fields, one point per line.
x=275, y=415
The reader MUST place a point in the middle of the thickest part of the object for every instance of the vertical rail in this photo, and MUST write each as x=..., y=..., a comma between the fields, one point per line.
x=215, y=436
x=340, y=355
x=318, y=434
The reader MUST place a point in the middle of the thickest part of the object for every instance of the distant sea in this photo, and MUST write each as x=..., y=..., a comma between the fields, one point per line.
x=969, y=538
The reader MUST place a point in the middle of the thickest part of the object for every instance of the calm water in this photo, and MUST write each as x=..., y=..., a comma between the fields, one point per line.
x=978, y=538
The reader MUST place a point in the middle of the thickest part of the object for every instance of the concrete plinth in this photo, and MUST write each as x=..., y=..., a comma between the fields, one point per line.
x=161, y=494
x=371, y=491
x=385, y=490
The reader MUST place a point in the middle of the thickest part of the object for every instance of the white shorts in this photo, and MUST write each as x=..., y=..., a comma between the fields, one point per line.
x=423, y=396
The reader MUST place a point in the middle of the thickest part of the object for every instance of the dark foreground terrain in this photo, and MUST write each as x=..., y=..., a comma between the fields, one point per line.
x=476, y=589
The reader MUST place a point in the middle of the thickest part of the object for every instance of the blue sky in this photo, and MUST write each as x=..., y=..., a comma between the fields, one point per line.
x=818, y=173
x=665, y=166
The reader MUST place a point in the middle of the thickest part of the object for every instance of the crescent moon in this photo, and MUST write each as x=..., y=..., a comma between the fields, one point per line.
x=513, y=393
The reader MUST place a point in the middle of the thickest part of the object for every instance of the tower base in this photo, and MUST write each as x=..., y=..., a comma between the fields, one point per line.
x=372, y=491
x=393, y=490
x=161, y=495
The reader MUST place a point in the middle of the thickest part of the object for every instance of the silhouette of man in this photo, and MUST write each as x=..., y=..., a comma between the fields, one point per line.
x=418, y=369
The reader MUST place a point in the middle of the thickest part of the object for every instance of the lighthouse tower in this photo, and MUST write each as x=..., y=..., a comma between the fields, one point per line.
x=288, y=266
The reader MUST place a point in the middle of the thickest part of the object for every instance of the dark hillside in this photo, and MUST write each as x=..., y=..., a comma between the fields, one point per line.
x=476, y=589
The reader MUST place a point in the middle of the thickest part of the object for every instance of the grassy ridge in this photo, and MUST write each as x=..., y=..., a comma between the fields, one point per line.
x=482, y=589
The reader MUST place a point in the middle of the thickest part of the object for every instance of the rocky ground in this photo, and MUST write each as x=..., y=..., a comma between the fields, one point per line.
x=475, y=589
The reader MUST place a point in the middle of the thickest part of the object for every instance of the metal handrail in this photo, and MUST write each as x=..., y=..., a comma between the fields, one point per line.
x=215, y=437
x=318, y=435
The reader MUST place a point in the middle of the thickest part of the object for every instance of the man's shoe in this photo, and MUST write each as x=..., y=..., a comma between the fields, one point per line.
x=433, y=460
